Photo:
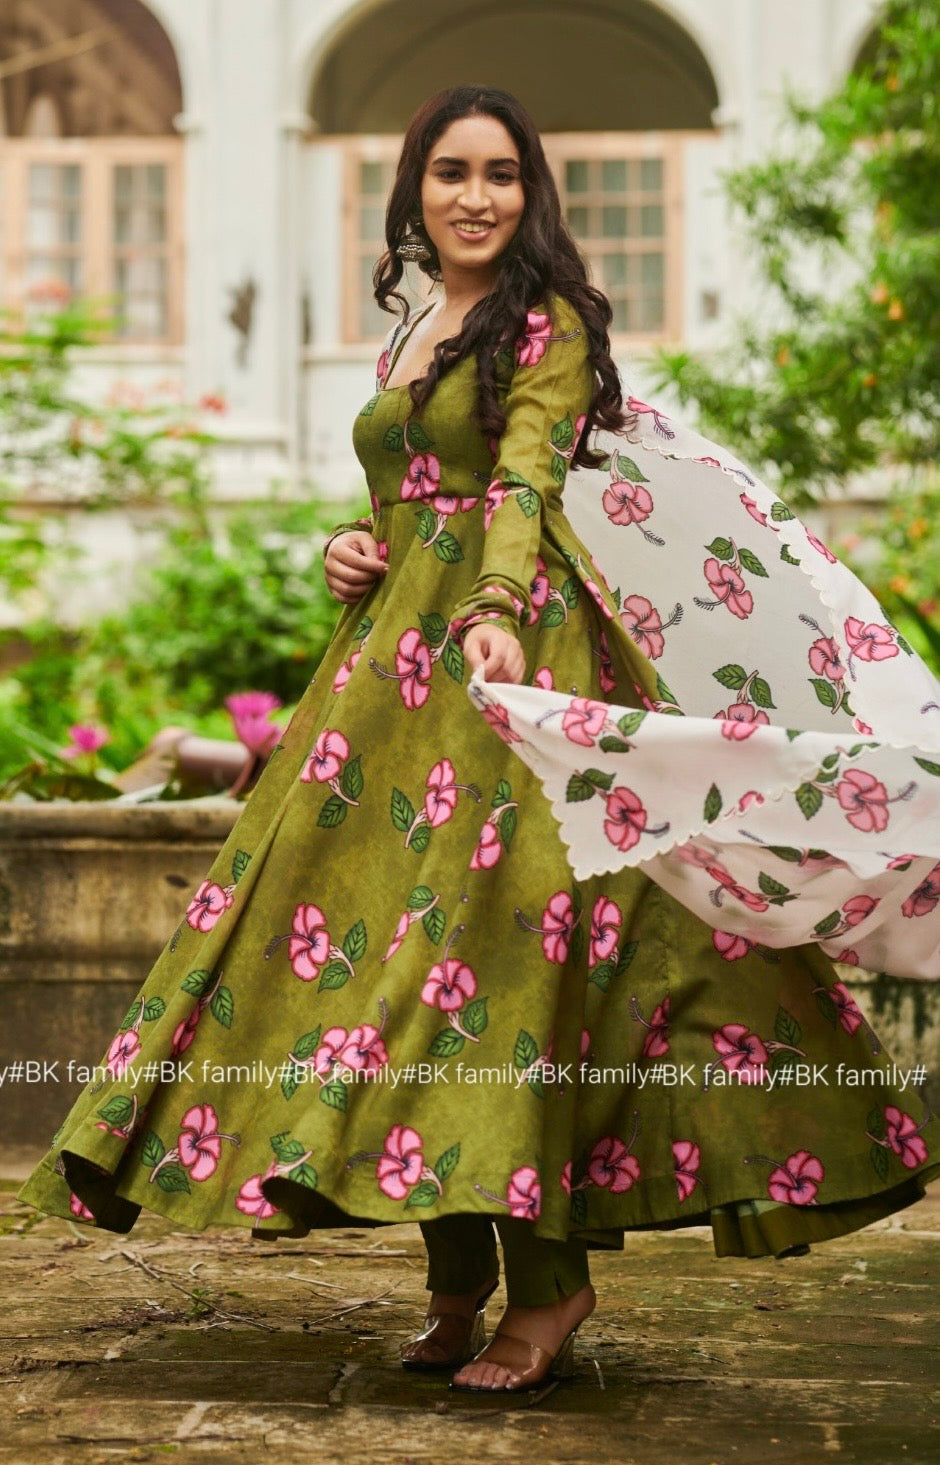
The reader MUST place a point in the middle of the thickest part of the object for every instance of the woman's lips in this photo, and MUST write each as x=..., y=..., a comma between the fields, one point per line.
x=472, y=234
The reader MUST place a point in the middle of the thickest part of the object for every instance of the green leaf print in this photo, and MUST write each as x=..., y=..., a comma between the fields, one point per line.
x=562, y=434
x=335, y=975
x=433, y=628
x=240, y=863
x=786, y=1028
x=421, y=838
x=304, y=1175
x=446, y=1163
x=780, y=513
x=502, y=795
x=434, y=923
x=627, y=471
x=197, y=982
x=760, y=693
x=222, y=1006
x=631, y=722
x=446, y=1044
x=601, y=975
x=453, y=660
x=152, y=1150
x=173, y=1178
x=629, y=951
x=784, y=852
x=552, y=615
x=370, y=406
x=394, y=438
x=827, y=1007
x=334, y=1096
x=507, y=828
x=286, y=1149
x=579, y=789
x=809, y=800
x=903, y=645
x=117, y=1110
x=308, y=1043
x=731, y=676
x=599, y=779
x=827, y=924
x=577, y=944
x=403, y=814
x=290, y=1079
x=425, y=524
x=713, y=804
x=879, y=1160
x=130, y=1017
x=528, y=501
x=786, y=556
x=333, y=813
x=354, y=942
x=153, y=1008
x=363, y=629
x=352, y=781
x=825, y=692
x=418, y=438
x=875, y=1123
x=928, y=767
x=750, y=562
x=424, y=1194
x=474, y=1018
x=559, y=469
x=447, y=548
x=663, y=692
x=579, y=1208
x=571, y=591
x=526, y=1050
x=515, y=480
x=421, y=896
x=723, y=549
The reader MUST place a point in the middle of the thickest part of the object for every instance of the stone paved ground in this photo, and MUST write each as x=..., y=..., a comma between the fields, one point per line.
x=169, y=1344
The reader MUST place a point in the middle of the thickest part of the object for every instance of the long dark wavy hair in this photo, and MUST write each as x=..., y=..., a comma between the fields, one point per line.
x=541, y=257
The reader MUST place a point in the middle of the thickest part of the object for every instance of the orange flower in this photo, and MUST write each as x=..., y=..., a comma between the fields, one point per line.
x=895, y=310
x=870, y=380
x=900, y=584
x=879, y=295
x=783, y=356
x=917, y=529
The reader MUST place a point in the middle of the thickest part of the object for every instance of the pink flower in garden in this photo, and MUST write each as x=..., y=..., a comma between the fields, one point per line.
x=423, y=477
x=251, y=1199
x=583, y=721
x=923, y=902
x=864, y=799
x=413, y=665
x=440, y=801
x=686, y=1157
x=364, y=1049
x=752, y=509
x=332, y=1044
x=740, y=720
x=544, y=678
x=495, y=496
x=858, y=908
x=627, y=503
x=731, y=947
x=850, y=1014
x=87, y=737
x=207, y=905
x=538, y=590
x=124, y=1047
x=498, y=719
x=901, y=1134
x=250, y=711
x=870, y=642
x=531, y=347
x=558, y=922
x=344, y=673
x=200, y=1144
x=612, y=1166
x=741, y=1051
x=524, y=1193
x=642, y=621
x=489, y=848
x=606, y=920
x=399, y=1169
x=309, y=946
x=79, y=1209
x=626, y=818
x=796, y=1182
x=449, y=985
x=728, y=586
x=824, y=659
x=656, y=1042
x=185, y=1032
x=327, y=759
x=823, y=549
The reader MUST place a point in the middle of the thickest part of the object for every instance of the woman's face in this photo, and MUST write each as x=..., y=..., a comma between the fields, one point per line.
x=472, y=198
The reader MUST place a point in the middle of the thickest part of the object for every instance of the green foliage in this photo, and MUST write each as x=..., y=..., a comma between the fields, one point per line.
x=842, y=371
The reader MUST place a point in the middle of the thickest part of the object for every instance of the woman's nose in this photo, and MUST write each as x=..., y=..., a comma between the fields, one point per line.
x=475, y=193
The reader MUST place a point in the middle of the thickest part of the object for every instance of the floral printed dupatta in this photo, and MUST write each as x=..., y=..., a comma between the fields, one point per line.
x=784, y=783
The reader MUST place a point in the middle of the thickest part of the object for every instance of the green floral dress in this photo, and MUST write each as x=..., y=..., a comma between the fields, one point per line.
x=390, y=1000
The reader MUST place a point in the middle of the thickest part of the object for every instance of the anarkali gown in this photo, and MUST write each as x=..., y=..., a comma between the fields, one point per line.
x=391, y=999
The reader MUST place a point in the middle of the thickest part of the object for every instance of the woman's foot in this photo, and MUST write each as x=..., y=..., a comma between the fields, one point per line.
x=453, y=1329
x=508, y=1365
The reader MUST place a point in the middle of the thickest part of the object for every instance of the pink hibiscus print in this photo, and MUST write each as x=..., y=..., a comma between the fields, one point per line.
x=309, y=945
x=331, y=1046
x=449, y=985
x=612, y=1166
x=726, y=881
x=741, y=1051
x=524, y=1193
x=627, y=503
x=824, y=659
x=250, y=1198
x=740, y=720
x=440, y=801
x=200, y=1142
x=495, y=496
x=686, y=1158
x=752, y=509
x=413, y=666
x=850, y=1014
x=797, y=1180
x=870, y=642
x=185, y=1032
x=606, y=920
x=822, y=548
x=399, y=1168
x=78, y=1208
x=583, y=721
x=544, y=678
x=327, y=759
x=489, y=848
x=531, y=347
x=858, y=908
x=924, y=900
x=864, y=799
x=498, y=719
x=903, y=1138
x=642, y=621
x=364, y=1050
x=423, y=478
x=124, y=1048
x=728, y=586
x=656, y=1042
x=538, y=590
x=344, y=673
x=209, y=903
x=626, y=818
x=381, y=368
x=731, y=947
x=558, y=924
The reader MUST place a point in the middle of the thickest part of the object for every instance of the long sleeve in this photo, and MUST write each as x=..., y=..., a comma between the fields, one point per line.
x=550, y=390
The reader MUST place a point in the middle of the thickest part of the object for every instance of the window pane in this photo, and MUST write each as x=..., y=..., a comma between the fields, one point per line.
x=123, y=182
x=651, y=175
x=614, y=269
x=40, y=269
x=371, y=223
x=156, y=180
x=621, y=319
x=614, y=175
x=651, y=220
x=651, y=269
x=370, y=178
x=576, y=175
x=651, y=313
x=142, y=298
x=579, y=222
x=613, y=221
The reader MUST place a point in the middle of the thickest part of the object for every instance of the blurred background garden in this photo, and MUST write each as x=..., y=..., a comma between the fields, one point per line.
x=823, y=376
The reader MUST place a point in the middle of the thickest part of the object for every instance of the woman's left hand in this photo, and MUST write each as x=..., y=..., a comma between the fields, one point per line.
x=495, y=651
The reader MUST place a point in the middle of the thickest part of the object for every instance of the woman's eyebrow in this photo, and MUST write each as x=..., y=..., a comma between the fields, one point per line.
x=492, y=162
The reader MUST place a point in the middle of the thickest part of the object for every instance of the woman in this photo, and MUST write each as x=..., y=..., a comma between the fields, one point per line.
x=460, y=1033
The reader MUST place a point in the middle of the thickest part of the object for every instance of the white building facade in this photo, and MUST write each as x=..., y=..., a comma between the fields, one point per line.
x=221, y=166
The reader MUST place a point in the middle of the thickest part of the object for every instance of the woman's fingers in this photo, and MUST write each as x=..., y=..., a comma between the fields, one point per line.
x=496, y=653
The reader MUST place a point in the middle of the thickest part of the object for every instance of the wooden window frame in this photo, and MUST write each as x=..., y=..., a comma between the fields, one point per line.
x=97, y=158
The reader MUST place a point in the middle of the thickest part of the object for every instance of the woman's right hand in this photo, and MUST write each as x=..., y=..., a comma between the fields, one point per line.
x=352, y=565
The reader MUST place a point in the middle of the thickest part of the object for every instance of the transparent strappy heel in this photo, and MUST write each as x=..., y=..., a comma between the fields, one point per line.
x=455, y=1337
x=530, y=1366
